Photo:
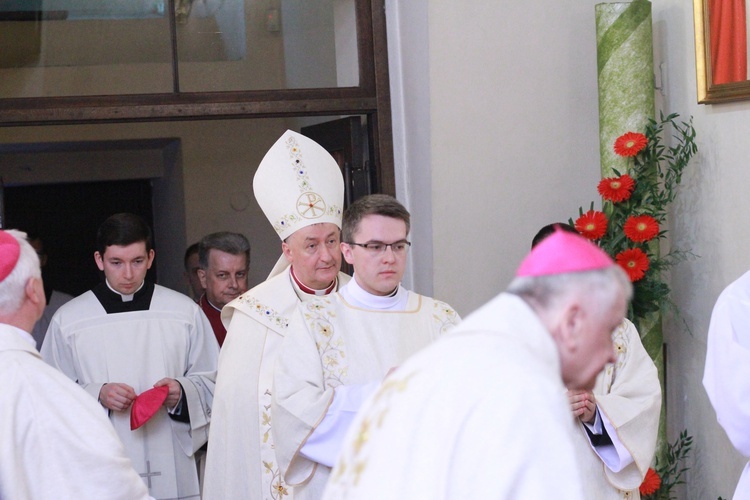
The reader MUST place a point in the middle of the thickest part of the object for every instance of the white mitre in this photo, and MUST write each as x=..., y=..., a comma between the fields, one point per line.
x=298, y=184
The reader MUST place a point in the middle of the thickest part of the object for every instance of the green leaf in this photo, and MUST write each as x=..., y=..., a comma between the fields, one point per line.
x=657, y=172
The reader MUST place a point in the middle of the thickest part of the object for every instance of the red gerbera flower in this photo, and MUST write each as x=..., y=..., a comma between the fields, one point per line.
x=651, y=483
x=641, y=228
x=592, y=224
x=630, y=144
x=634, y=261
x=616, y=189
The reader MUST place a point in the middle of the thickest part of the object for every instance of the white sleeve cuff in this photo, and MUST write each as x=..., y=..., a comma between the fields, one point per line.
x=615, y=456
x=324, y=444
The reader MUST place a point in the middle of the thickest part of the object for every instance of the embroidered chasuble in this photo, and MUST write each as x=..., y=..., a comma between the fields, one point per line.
x=97, y=338
x=241, y=460
x=56, y=442
x=628, y=393
x=332, y=344
x=481, y=413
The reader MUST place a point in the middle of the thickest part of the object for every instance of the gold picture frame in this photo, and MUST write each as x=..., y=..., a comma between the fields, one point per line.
x=708, y=92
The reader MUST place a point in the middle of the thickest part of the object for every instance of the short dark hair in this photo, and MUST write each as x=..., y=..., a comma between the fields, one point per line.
x=549, y=229
x=123, y=229
x=374, y=204
x=224, y=241
x=192, y=249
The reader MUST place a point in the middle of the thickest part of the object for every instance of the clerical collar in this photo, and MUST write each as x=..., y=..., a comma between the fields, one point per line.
x=312, y=291
x=113, y=302
x=358, y=296
x=125, y=297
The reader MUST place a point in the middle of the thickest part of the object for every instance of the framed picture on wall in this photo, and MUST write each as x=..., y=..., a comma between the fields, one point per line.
x=721, y=50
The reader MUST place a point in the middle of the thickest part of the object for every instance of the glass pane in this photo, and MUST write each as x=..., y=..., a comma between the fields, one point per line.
x=110, y=47
x=84, y=47
x=266, y=44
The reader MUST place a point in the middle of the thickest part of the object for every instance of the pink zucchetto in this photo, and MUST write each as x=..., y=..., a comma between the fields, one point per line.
x=563, y=252
x=9, y=252
x=146, y=405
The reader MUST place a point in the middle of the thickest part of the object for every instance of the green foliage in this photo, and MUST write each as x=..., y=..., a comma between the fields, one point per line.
x=672, y=470
x=657, y=171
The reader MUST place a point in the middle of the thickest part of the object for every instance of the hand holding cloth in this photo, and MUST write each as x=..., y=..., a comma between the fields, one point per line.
x=146, y=405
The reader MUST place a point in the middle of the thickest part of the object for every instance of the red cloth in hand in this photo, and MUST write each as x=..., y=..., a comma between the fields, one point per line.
x=146, y=405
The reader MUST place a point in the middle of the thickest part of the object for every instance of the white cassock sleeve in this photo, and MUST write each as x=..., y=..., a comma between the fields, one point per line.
x=57, y=353
x=198, y=382
x=726, y=377
x=615, y=456
x=324, y=444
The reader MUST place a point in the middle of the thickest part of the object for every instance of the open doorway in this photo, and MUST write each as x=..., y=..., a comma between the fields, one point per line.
x=201, y=182
x=346, y=139
x=63, y=191
x=66, y=216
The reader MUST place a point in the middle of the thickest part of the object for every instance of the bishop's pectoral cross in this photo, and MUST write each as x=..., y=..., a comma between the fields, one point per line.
x=148, y=474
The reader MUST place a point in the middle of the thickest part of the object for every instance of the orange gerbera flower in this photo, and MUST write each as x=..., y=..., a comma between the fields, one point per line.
x=634, y=261
x=616, y=189
x=630, y=144
x=651, y=483
x=641, y=228
x=592, y=224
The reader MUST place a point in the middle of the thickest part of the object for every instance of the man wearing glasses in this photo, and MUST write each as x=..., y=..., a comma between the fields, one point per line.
x=339, y=348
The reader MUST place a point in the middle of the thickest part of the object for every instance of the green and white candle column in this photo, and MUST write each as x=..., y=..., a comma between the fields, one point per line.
x=625, y=63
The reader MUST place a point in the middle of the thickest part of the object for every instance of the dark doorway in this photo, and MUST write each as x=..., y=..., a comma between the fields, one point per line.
x=66, y=217
x=347, y=139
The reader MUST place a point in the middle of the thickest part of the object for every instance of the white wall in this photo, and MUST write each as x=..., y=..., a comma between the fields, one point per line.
x=513, y=137
x=711, y=218
x=513, y=144
x=408, y=48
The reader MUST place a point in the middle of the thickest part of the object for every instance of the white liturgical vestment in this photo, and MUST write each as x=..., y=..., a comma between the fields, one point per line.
x=241, y=459
x=172, y=338
x=727, y=374
x=481, y=413
x=628, y=394
x=55, y=441
x=334, y=345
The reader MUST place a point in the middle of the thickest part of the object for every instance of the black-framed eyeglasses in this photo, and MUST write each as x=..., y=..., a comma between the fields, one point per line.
x=378, y=247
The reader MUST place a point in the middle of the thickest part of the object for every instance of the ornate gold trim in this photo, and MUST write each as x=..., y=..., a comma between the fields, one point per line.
x=708, y=93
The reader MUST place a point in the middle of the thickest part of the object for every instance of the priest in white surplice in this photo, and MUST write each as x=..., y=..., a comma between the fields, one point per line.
x=128, y=335
x=56, y=441
x=338, y=349
x=726, y=377
x=300, y=188
x=483, y=412
x=618, y=420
